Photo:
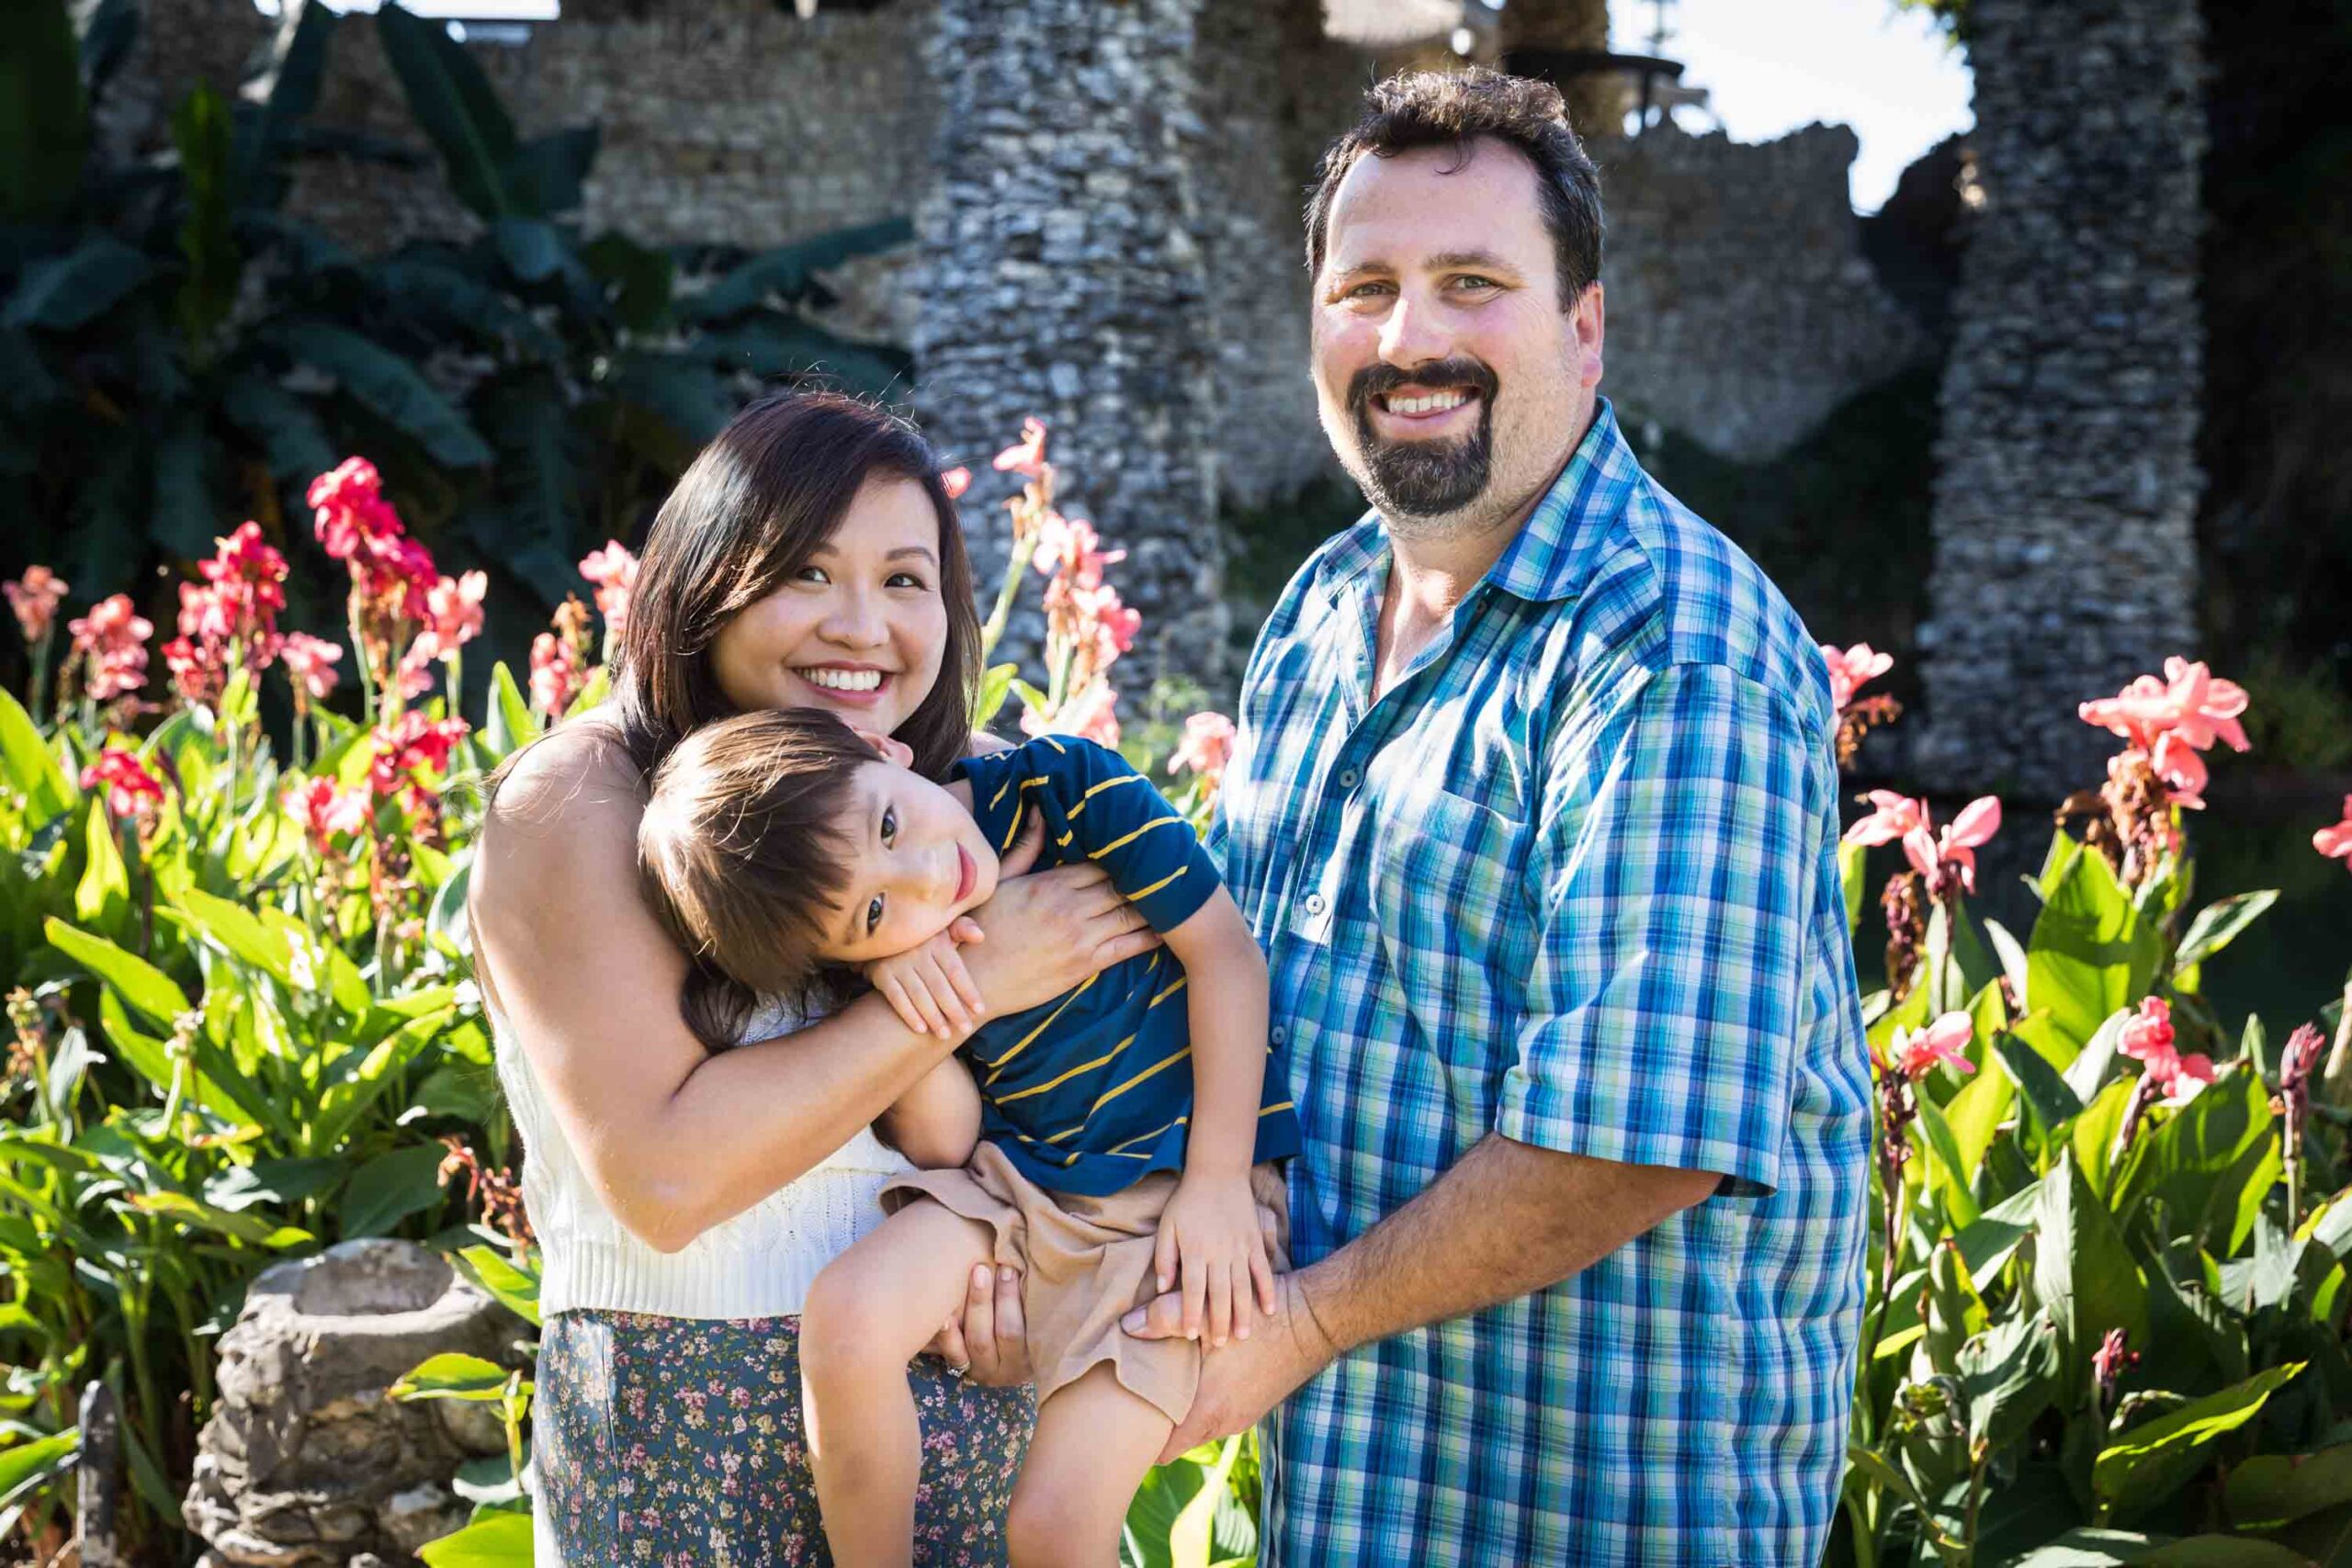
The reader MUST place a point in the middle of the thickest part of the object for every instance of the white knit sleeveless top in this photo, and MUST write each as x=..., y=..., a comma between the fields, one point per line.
x=757, y=1264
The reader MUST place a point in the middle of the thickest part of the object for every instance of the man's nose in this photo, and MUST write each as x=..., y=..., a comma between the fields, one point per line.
x=1415, y=333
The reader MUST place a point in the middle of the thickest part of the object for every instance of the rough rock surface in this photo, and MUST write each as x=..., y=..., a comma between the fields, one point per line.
x=305, y=1462
x=2067, y=479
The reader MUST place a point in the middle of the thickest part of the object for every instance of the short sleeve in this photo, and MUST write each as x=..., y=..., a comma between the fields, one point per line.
x=1664, y=1006
x=1121, y=823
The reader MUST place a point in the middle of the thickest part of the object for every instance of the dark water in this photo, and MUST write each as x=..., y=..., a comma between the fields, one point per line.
x=2286, y=966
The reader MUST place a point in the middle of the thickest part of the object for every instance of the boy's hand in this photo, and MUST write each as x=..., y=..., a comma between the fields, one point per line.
x=1210, y=1237
x=929, y=986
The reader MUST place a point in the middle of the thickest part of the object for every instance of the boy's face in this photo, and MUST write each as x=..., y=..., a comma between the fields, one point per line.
x=916, y=861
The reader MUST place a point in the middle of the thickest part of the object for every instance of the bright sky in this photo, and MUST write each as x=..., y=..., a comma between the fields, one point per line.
x=1773, y=65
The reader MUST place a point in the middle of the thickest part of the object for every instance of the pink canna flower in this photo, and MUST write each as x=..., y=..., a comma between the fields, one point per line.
x=1207, y=748
x=34, y=597
x=2190, y=702
x=1950, y=856
x=1092, y=714
x=1893, y=817
x=2148, y=1039
x=556, y=676
x=323, y=811
x=1853, y=669
x=309, y=664
x=956, y=481
x=1917, y=1053
x=453, y=616
x=115, y=640
x=1070, y=548
x=131, y=788
x=1027, y=459
x=613, y=571
x=2335, y=842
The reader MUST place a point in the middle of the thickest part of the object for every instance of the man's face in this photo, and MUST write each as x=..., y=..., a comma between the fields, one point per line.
x=1450, y=380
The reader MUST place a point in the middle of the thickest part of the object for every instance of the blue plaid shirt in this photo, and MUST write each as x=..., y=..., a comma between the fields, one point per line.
x=1572, y=879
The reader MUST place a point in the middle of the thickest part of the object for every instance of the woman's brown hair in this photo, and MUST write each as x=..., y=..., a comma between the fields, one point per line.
x=740, y=856
x=772, y=486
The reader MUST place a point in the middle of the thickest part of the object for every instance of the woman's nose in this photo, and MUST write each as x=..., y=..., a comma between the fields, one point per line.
x=854, y=619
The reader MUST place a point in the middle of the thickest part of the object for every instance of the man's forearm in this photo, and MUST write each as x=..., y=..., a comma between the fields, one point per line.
x=1508, y=1219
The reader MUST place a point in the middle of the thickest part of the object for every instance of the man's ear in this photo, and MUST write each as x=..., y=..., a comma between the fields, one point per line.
x=888, y=748
x=1589, y=324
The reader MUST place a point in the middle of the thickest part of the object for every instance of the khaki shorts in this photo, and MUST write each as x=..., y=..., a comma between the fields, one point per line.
x=1085, y=1263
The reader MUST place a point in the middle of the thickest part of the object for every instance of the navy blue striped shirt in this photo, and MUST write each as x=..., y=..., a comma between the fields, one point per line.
x=1092, y=1091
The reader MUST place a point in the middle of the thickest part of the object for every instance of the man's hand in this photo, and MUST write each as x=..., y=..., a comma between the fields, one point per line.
x=1249, y=1377
x=989, y=1339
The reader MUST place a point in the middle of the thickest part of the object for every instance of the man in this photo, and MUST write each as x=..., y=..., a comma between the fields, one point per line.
x=1533, y=809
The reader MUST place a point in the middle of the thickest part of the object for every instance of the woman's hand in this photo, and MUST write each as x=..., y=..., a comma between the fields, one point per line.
x=1049, y=930
x=989, y=1340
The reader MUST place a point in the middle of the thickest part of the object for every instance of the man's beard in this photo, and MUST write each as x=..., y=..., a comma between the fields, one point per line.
x=1424, y=478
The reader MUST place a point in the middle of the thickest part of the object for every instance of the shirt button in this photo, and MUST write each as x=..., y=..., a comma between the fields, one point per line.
x=1347, y=778
x=1315, y=903
x=1279, y=1035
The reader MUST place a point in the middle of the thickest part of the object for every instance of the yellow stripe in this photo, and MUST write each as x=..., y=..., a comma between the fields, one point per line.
x=1098, y=789
x=1156, y=822
x=1000, y=792
x=1144, y=1138
x=1168, y=993
x=1121, y=1149
x=1055, y=744
x=1012, y=827
x=997, y=1066
x=1142, y=894
x=1112, y=1094
x=1063, y=842
x=1057, y=1083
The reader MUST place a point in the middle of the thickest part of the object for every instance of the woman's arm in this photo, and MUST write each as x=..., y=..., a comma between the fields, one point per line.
x=936, y=1125
x=677, y=1138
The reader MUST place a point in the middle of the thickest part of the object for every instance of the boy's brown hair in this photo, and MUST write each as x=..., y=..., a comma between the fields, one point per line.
x=742, y=857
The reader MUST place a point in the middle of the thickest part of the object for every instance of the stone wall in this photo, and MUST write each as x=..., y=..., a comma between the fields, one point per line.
x=1741, y=310
x=2067, y=482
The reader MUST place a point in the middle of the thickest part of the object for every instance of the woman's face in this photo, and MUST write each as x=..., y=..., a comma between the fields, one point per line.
x=858, y=628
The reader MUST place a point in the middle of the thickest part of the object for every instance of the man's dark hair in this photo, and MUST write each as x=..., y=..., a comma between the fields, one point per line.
x=1432, y=108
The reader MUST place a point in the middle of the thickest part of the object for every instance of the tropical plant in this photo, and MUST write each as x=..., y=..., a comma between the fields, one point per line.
x=177, y=345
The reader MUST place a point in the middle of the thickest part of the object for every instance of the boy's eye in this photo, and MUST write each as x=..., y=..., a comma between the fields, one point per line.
x=889, y=824
x=873, y=915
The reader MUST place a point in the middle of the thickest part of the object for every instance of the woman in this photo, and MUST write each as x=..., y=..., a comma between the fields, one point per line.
x=684, y=1199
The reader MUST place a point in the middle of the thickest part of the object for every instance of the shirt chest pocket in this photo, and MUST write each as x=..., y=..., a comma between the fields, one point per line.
x=1451, y=914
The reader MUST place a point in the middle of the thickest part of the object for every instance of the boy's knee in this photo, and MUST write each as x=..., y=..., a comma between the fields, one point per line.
x=1044, y=1529
x=830, y=1327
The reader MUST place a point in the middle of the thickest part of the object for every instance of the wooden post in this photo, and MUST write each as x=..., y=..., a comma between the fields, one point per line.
x=98, y=1479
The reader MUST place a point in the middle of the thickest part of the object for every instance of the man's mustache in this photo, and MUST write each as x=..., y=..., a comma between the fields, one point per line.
x=1375, y=380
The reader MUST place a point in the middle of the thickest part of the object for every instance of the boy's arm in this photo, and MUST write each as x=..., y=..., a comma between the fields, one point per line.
x=936, y=1124
x=1226, y=1003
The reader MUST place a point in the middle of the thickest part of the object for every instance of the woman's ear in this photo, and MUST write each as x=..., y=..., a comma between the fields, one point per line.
x=887, y=747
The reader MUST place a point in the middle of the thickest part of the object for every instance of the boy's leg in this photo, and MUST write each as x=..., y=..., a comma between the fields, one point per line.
x=1095, y=1443
x=866, y=1315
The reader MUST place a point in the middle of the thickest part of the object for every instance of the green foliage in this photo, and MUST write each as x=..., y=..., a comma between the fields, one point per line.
x=198, y=353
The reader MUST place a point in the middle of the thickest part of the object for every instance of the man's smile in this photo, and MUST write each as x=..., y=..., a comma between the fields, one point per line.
x=1415, y=412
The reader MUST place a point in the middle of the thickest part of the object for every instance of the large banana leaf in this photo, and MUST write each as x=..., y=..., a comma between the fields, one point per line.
x=72, y=290
x=789, y=272
x=457, y=107
x=387, y=384
x=267, y=131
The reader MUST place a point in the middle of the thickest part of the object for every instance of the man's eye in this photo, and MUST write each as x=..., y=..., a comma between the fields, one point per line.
x=873, y=915
x=1474, y=282
x=889, y=824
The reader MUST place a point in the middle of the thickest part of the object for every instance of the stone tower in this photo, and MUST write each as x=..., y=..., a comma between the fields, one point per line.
x=2067, y=481
x=1063, y=278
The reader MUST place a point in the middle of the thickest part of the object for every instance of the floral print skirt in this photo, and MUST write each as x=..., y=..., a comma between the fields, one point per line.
x=677, y=1443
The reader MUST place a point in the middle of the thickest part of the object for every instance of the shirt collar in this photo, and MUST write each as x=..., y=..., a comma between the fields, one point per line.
x=1550, y=557
x=1547, y=558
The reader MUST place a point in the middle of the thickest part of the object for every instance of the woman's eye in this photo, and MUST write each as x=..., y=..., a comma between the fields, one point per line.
x=811, y=574
x=889, y=824
x=873, y=915
x=904, y=579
